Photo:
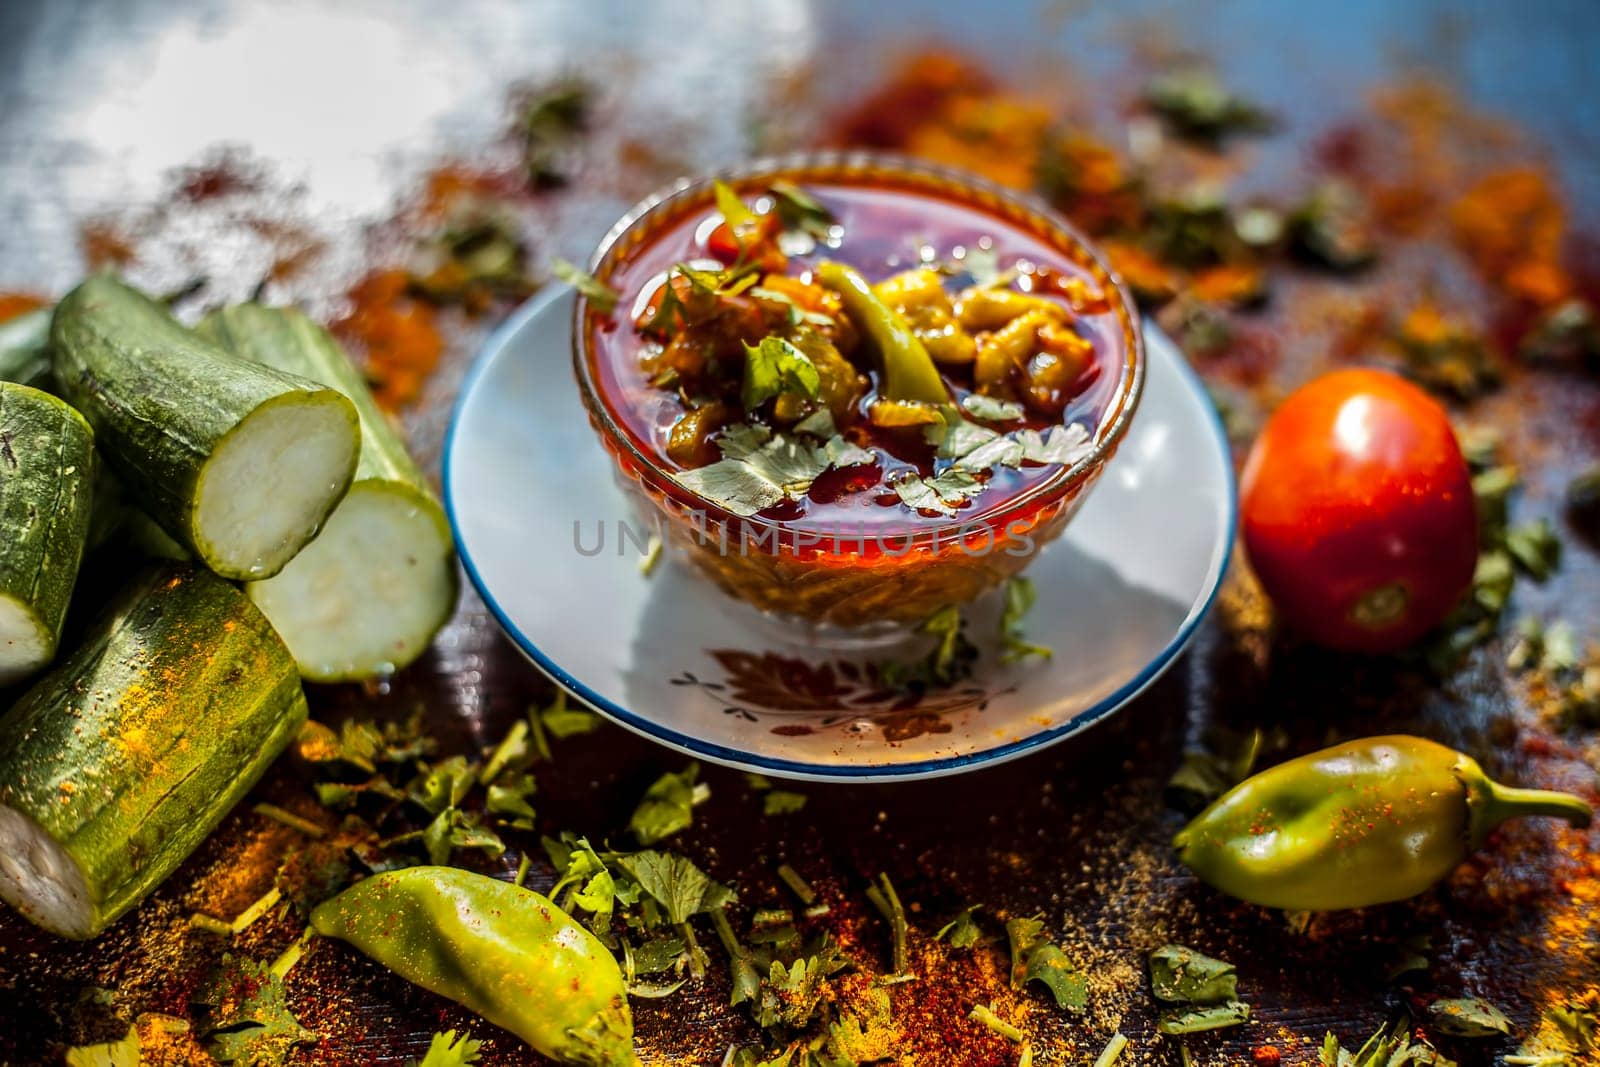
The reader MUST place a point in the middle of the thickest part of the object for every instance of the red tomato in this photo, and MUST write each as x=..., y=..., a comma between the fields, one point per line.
x=1358, y=512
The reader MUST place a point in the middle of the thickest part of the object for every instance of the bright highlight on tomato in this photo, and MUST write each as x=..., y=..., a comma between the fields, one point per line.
x=1358, y=512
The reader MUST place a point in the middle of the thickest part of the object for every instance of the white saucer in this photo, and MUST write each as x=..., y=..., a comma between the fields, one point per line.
x=671, y=657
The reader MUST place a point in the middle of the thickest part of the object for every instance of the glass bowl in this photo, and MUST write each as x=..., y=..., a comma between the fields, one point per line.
x=850, y=579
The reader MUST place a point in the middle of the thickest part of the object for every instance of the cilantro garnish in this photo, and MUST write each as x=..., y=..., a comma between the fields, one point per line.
x=759, y=468
x=1221, y=761
x=598, y=293
x=734, y=211
x=1469, y=1017
x=1391, y=1046
x=550, y=123
x=1198, y=993
x=775, y=367
x=1568, y=1035
x=941, y=494
x=991, y=409
x=1195, y=105
x=123, y=1052
x=242, y=1016
x=667, y=806
x=1035, y=959
x=1019, y=596
x=800, y=212
x=961, y=931
x=1065, y=445
x=448, y=1050
x=950, y=659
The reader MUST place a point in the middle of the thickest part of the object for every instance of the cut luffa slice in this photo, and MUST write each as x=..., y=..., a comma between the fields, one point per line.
x=46, y=491
x=239, y=462
x=366, y=597
x=120, y=760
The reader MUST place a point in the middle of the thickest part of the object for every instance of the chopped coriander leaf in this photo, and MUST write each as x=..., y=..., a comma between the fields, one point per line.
x=508, y=800
x=1469, y=1017
x=1194, y=104
x=962, y=931
x=775, y=367
x=448, y=1050
x=1334, y=228
x=991, y=409
x=1223, y=761
x=551, y=122
x=454, y=829
x=123, y=1052
x=443, y=785
x=674, y=882
x=818, y=424
x=1181, y=974
x=1065, y=445
x=1198, y=1019
x=941, y=494
x=563, y=721
x=1035, y=959
x=1019, y=596
x=512, y=749
x=242, y=1016
x=947, y=662
x=782, y=802
x=1391, y=1046
x=602, y=296
x=734, y=211
x=667, y=806
x=842, y=453
x=748, y=479
x=1535, y=548
x=801, y=212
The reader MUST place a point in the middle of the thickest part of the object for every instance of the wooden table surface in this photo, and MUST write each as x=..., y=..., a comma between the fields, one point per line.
x=342, y=108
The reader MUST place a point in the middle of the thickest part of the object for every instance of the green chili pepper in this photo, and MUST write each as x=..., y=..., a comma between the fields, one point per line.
x=505, y=952
x=1362, y=823
x=908, y=371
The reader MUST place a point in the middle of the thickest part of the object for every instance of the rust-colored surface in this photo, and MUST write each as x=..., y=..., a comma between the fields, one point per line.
x=1476, y=220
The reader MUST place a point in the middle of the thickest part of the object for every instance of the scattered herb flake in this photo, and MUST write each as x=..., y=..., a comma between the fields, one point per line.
x=448, y=1050
x=782, y=802
x=1469, y=1017
x=1181, y=974
x=991, y=409
x=124, y=1052
x=940, y=494
x=668, y=806
x=1194, y=105
x=600, y=295
x=1019, y=597
x=961, y=931
x=243, y=1017
x=1035, y=959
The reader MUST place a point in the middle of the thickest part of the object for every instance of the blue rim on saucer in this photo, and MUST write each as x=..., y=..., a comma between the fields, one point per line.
x=537, y=313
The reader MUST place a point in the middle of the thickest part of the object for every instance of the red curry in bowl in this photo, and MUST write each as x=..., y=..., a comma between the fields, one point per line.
x=855, y=389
